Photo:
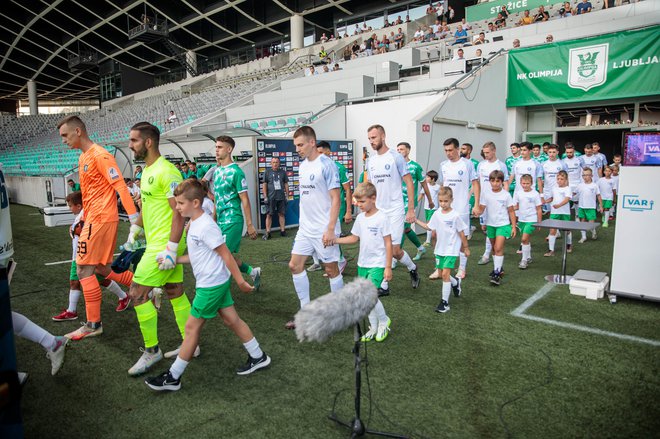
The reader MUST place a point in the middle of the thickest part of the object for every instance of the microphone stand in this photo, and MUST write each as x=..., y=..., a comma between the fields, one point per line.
x=357, y=427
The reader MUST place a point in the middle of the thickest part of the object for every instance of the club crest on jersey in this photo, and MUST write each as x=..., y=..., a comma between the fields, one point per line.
x=460, y=172
x=311, y=177
x=112, y=172
x=151, y=179
x=387, y=166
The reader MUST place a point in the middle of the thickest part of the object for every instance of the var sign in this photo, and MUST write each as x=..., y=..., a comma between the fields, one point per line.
x=636, y=203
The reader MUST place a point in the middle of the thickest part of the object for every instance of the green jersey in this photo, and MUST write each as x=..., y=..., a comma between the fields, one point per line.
x=475, y=163
x=509, y=166
x=417, y=174
x=343, y=179
x=228, y=183
x=577, y=154
x=157, y=186
x=541, y=158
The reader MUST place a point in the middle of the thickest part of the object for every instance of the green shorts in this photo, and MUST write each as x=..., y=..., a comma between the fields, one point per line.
x=560, y=216
x=428, y=213
x=148, y=274
x=73, y=274
x=233, y=233
x=442, y=262
x=492, y=232
x=208, y=301
x=526, y=228
x=374, y=274
x=588, y=214
x=607, y=204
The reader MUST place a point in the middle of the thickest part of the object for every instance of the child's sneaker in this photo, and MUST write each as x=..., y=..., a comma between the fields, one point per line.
x=123, y=304
x=460, y=274
x=496, y=277
x=569, y=248
x=427, y=244
x=314, y=267
x=85, y=331
x=582, y=240
x=164, y=381
x=65, y=315
x=456, y=289
x=420, y=253
x=253, y=364
x=594, y=235
x=443, y=307
x=369, y=335
x=605, y=224
x=484, y=260
x=382, y=292
x=522, y=265
x=383, y=330
x=549, y=253
x=435, y=275
x=56, y=356
x=414, y=278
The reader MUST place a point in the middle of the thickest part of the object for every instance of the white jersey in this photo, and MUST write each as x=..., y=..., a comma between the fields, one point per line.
x=602, y=158
x=371, y=230
x=522, y=167
x=208, y=206
x=317, y=179
x=592, y=163
x=447, y=227
x=203, y=237
x=74, y=237
x=386, y=172
x=587, y=195
x=559, y=194
x=433, y=191
x=574, y=170
x=485, y=168
x=6, y=240
x=527, y=203
x=458, y=176
x=497, y=207
x=616, y=182
x=550, y=170
x=606, y=186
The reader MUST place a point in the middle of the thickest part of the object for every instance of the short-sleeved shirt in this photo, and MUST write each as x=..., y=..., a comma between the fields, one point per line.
x=509, y=166
x=434, y=189
x=276, y=181
x=559, y=194
x=583, y=7
x=210, y=173
x=372, y=231
x=386, y=172
x=497, y=207
x=343, y=179
x=574, y=170
x=541, y=158
x=587, y=195
x=417, y=174
x=228, y=183
x=607, y=186
x=202, y=239
x=458, y=176
x=76, y=187
x=527, y=203
x=208, y=206
x=522, y=167
x=485, y=168
x=592, y=162
x=550, y=170
x=447, y=227
x=158, y=183
x=317, y=178
x=99, y=178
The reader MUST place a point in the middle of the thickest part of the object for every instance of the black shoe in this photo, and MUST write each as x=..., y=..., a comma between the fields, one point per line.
x=266, y=236
x=253, y=364
x=457, y=288
x=164, y=381
x=496, y=278
x=282, y=232
x=382, y=292
x=443, y=307
x=414, y=278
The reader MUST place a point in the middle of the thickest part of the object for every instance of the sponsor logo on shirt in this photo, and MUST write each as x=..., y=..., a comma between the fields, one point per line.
x=112, y=172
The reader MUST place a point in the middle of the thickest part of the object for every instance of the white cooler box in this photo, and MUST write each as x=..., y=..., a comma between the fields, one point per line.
x=590, y=284
x=57, y=216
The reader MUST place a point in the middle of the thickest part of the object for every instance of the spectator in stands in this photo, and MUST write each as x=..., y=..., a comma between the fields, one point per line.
x=460, y=35
x=383, y=44
x=430, y=10
x=323, y=54
x=565, y=10
x=584, y=7
x=355, y=49
x=348, y=53
x=311, y=71
x=437, y=26
x=356, y=31
x=138, y=172
x=444, y=33
x=75, y=187
x=481, y=39
x=478, y=53
x=399, y=39
x=449, y=15
x=491, y=27
x=516, y=43
x=428, y=34
x=407, y=18
x=336, y=68
x=133, y=189
x=458, y=56
x=526, y=19
x=419, y=34
x=505, y=12
x=369, y=45
x=541, y=15
x=398, y=21
x=326, y=69
x=609, y=4
x=323, y=39
x=466, y=25
x=500, y=21
x=549, y=38
x=387, y=23
x=332, y=37
x=171, y=118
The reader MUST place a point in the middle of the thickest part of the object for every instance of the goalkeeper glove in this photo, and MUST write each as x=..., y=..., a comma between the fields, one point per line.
x=134, y=233
x=167, y=258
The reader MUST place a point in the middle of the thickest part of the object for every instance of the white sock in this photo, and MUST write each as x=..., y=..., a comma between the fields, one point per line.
x=551, y=242
x=462, y=261
x=253, y=349
x=526, y=251
x=336, y=283
x=606, y=215
x=74, y=296
x=453, y=281
x=489, y=248
x=26, y=328
x=381, y=315
x=446, y=290
x=178, y=367
x=115, y=289
x=569, y=238
x=316, y=259
x=373, y=319
x=385, y=285
x=428, y=236
x=405, y=260
x=583, y=233
x=301, y=285
x=497, y=262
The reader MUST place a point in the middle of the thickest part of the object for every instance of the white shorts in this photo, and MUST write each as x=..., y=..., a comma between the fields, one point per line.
x=396, y=226
x=305, y=246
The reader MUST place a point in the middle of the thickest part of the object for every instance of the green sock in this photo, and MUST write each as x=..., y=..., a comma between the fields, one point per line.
x=245, y=268
x=413, y=238
x=147, y=316
x=181, y=307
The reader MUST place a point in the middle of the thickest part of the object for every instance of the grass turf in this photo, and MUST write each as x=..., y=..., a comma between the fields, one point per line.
x=476, y=371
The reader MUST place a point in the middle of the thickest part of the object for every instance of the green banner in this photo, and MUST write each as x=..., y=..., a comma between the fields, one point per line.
x=488, y=11
x=612, y=66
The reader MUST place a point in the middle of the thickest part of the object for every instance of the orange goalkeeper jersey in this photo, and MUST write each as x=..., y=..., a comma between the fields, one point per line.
x=100, y=178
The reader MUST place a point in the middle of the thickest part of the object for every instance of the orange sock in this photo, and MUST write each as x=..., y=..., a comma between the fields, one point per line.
x=92, y=292
x=125, y=278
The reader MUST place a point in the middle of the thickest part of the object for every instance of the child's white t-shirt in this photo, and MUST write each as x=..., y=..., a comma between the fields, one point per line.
x=447, y=227
x=497, y=207
x=204, y=236
x=433, y=190
x=587, y=195
x=371, y=230
x=527, y=203
x=559, y=194
x=607, y=186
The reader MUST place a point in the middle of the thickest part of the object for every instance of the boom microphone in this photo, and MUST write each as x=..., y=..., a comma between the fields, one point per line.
x=334, y=312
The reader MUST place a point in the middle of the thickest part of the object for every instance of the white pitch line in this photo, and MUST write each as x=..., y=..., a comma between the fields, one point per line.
x=545, y=289
x=67, y=261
